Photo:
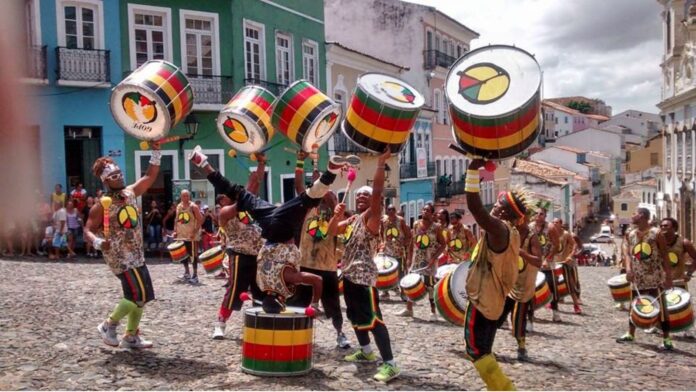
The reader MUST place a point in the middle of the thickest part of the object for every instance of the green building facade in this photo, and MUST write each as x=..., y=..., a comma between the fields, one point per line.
x=223, y=45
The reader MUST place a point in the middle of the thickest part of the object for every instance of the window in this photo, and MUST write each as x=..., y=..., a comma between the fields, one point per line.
x=459, y=51
x=624, y=207
x=654, y=159
x=32, y=25
x=429, y=40
x=199, y=43
x=254, y=48
x=310, y=62
x=79, y=26
x=566, y=119
x=284, y=71
x=150, y=34
x=437, y=105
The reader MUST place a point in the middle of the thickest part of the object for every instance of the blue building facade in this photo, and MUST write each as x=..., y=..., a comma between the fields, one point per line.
x=417, y=170
x=74, y=61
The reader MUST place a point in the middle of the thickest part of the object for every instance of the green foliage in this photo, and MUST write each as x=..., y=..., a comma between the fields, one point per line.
x=582, y=107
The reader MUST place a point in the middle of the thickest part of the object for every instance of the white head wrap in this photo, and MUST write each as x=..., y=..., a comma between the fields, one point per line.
x=364, y=189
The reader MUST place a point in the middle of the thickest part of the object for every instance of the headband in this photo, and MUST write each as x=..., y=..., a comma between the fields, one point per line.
x=364, y=189
x=108, y=170
x=513, y=203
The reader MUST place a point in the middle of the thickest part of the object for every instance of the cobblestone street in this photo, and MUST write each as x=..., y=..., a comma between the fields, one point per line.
x=49, y=341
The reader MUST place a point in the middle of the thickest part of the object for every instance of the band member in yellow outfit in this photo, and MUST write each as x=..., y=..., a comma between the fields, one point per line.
x=492, y=275
x=396, y=237
x=461, y=240
x=188, y=229
x=564, y=257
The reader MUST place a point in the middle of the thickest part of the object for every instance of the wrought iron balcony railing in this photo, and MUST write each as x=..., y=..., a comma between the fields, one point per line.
x=83, y=65
x=36, y=63
x=448, y=190
x=342, y=144
x=211, y=89
x=434, y=58
x=275, y=88
x=410, y=170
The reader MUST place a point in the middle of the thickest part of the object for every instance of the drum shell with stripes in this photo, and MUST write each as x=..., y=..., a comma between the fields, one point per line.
x=413, y=287
x=542, y=292
x=620, y=288
x=177, y=251
x=305, y=115
x=245, y=121
x=212, y=259
x=277, y=344
x=387, y=272
x=679, y=309
x=506, y=128
x=641, y=319
x=164, y=99
x=450, y=295
x=376, y=121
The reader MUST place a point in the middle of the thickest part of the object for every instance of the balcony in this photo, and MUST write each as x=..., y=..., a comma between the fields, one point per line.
x=449, y=190
x=83, y=65
x=410, y=170
x=211, y=89
x=435, y=58
x=36, y=63
x=275, y=88
x=343, y=145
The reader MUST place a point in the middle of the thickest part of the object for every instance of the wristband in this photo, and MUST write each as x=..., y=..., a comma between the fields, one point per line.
x=156, y=157
x=97, y=243
x=299, y=164
x=472, y=182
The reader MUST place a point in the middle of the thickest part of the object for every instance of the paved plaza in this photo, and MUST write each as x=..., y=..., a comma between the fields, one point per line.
x=49, y=341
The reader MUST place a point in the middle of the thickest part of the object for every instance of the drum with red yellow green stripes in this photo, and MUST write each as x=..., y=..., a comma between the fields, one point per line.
x=382, y=113
x=277, y=344
x=152, y=100
x=305, y=115
x=495, y=101
x=245, y=122
x=450, y=294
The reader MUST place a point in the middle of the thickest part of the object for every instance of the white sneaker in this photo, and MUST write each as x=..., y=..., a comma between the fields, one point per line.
x=556, y=317
x=405, y=313
x=107, y=331
x=433, y=317
x=530, y=327
x=219, y=332
x=652, y=330
x=342, y=341
x=134, y=341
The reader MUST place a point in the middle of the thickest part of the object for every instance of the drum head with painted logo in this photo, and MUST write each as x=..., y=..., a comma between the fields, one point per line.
x=240, y=132
x=391, y=91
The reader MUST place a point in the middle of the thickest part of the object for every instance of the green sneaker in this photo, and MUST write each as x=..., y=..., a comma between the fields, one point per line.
x=666, y=345
x=625, y=338
x=387, y=373
x=360, y=356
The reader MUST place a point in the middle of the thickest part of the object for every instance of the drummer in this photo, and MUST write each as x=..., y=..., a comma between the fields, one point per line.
x=648, y=268
x=521, y=296
x=243, y=241
x=678, y=249
x=188, y=229
x=564, y=257
x=428, y=243
x=549, y=240
x=318, y=244
x=278, y=270
x=461, y=240
x=395, y=235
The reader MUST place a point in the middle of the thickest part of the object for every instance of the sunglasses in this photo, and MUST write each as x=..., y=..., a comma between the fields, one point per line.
x=114, y=176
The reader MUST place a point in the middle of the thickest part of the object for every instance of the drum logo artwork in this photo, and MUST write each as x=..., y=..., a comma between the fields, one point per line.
x=140, y=109
x=128, y=217
x=398, y=92
x=236, y=131
x=483, y=83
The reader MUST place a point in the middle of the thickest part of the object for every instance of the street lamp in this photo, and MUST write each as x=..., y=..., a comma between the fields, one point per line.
x=191, y=123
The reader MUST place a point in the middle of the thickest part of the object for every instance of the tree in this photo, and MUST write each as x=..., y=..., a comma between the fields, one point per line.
x=582, y=107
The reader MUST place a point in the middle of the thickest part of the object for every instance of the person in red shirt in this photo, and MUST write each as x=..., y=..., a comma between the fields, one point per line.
x=79, y=197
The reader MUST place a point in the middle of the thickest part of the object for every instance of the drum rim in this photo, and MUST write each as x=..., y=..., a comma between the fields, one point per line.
x=419, y=279
x=655, y=305
x=212, y=251
x=684, y=294
x=168, y=121
x=457, y=298
x=391, y=106
x=180, y=243
x=370, y=150
x=258, y=311
x=254, y=86
x=322, y=114
x=489, y=47
x=227, y=139
x=618, y=277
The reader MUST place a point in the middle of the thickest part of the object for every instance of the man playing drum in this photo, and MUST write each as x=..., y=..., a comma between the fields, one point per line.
x=188, y=229
x=361, y=232
x=121, y=243
x=278, y=270
x=461, y=242
x=492, y=275
x=549, y=240
x=318, y=253
x=648, y=268
x=521, y=296
x=243, y=240
x=428, y=244
x=565, y=258
x=395, y=235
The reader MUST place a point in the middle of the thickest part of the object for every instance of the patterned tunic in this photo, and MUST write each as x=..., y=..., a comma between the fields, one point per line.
x=358, y=259
x=126, y=233
x=525, y=286
x=676, y=258
x=272, y=261
x=458, y=246
x=186, y=226
x=544, y=241
x=242, y=235
x=646, y=262
x=393, y=237
x=425, y=246
x=317, y=247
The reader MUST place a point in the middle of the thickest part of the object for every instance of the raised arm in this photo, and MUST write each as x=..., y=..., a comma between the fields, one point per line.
x=299, y=172
x=145, y=182
x=498, y=237
x=254, y=182
x=375, y=213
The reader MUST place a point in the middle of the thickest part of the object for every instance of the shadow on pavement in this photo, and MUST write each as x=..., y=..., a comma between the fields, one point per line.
x=151, y=364
x=654, y=348
x=533, y=360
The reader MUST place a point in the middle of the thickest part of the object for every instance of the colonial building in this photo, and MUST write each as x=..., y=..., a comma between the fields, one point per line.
x=677, y=195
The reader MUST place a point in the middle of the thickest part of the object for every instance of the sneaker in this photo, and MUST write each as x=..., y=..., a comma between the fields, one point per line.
x=666, y=345
x=185, y=277
x=342, y=341
x=193, y=280
x=619, y=306
x=107, y=331
x=625, y=338
x=219, y=332
x=384, y=295
x=556, y=317
x=433, y=317
x=405, y=313
x=134, y=341
x=360, y=356
x=530, y=327
x=387, y=372
x=577, y=309
x=522, y=354
x=336, y=164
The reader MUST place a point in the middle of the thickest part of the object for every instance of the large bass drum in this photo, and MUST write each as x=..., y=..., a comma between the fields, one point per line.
x=494, y=96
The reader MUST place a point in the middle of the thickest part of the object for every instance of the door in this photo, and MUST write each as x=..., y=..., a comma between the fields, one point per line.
x=82, y=148
x=161, y=190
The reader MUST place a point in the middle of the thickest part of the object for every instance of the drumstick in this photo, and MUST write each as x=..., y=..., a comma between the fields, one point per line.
x=145, y=144
x=105, y=202
x=351, y=177
x=293, y=151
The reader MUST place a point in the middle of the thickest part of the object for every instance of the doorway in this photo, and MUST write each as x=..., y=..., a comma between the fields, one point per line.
x=82, y=148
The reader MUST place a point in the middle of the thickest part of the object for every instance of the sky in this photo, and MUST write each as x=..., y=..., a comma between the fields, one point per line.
x=606, y=49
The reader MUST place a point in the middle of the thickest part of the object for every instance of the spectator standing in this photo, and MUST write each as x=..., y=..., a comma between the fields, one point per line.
x=74, y=222
x=58, y=196
x=79, y=197
x=60, y=230
x=153, y=224
x=168, y=223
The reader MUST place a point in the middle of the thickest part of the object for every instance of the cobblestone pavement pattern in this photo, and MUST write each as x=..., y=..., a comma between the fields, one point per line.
x=49, y=341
